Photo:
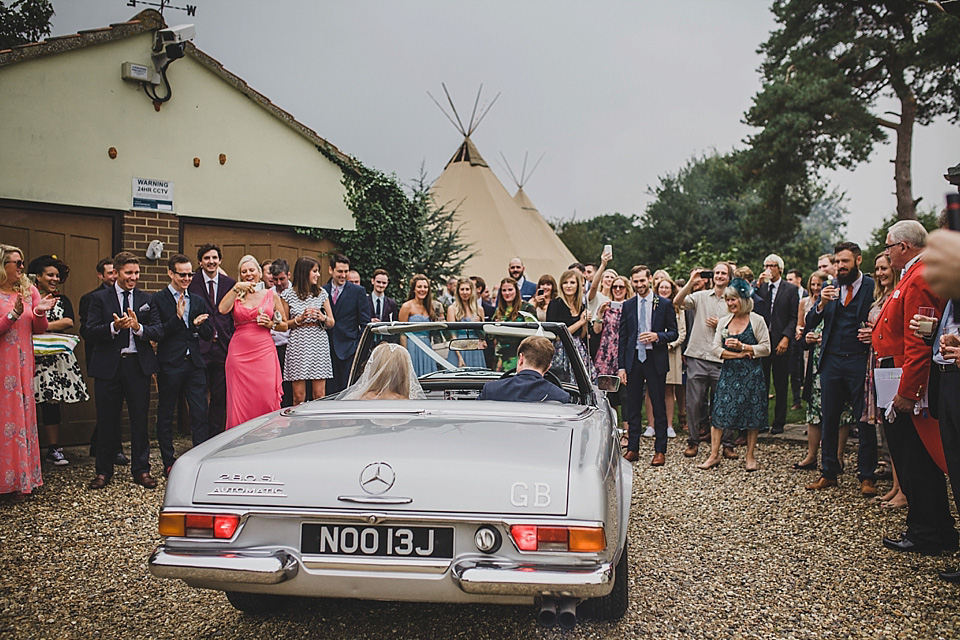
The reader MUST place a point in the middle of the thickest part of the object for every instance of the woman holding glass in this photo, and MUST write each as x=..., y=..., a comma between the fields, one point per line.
x=308, y=350
x=254, y=380
x=22, y=313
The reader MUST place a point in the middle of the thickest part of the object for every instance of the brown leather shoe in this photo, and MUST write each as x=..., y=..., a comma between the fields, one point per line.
x=145, y=480
x=730, y=453
x=691, y=451
x=631, y=456
x=658, y=460
x=822, y=483
x=868, y=488
x=99, y=482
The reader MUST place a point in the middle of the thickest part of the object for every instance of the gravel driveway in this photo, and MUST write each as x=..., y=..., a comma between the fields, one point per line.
x=713, y=554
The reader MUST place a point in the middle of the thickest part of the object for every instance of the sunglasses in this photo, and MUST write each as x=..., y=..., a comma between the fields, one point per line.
x=618, y=286
x=19, y=263
x=185, y=275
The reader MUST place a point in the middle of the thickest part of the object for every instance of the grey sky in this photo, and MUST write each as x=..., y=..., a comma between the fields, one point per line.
x=615, y=94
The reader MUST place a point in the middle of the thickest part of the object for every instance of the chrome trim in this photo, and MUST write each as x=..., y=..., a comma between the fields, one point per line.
x=502, y=578
x=335, y=563
x=373, y=500
x=215, y=566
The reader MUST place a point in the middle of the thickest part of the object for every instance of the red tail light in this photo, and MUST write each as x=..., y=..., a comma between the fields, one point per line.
x=529, y=537
x=199, y=525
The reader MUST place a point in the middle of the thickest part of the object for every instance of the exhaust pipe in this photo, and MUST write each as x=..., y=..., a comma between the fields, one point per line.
x=548, y=612
x=567, y=613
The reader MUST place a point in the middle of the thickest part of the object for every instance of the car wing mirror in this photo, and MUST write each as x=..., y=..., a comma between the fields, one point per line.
x=608, y=383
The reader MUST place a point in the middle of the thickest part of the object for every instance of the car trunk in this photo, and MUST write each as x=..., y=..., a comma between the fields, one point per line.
x=490, y=462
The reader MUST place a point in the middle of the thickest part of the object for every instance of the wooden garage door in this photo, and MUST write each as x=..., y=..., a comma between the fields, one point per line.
x=263, y=243
x=80, y=240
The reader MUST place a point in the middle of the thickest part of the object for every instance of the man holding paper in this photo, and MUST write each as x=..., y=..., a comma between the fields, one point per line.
x=930, y=528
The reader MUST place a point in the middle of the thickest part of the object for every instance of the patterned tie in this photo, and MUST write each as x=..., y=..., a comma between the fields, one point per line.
x=849, y=297
x=336, y=294
x=642, y=328
x=379, y=312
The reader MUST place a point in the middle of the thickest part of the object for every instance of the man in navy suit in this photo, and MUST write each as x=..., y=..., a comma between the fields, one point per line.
x=107, y=275
x=351, y=313
x=382, y=307
x=518, y=272
x=123, y=362
x=648, y=322
x=778, y=306
x=213, y=285
x=183, y=317
x=844, y=349
x=533, y=358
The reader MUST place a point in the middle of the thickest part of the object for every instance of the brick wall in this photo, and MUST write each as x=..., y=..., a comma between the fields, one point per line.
x=140, y=228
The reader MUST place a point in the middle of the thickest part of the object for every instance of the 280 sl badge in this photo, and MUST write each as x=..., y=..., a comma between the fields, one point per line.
x=248, y=485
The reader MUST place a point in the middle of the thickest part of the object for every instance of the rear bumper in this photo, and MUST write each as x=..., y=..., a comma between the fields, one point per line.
x=230, y=568
x=490, y=578
x=462, y=581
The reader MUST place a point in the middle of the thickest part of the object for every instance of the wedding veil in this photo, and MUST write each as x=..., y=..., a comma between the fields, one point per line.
x=389, y=373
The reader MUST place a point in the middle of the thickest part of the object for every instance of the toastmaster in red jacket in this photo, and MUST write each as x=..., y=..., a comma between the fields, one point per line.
x=930, y=527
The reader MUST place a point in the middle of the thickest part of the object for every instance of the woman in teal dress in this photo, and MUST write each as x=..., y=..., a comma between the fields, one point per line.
x=419, y=307
x=740, y=401
x=466, y=308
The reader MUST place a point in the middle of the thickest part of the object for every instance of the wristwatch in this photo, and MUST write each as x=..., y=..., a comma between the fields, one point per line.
x=13, y=316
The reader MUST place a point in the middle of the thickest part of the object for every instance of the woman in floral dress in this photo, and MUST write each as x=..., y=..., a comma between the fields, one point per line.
x=57, y=379
x=740, y=401
x=22, y=313
x=607, y=325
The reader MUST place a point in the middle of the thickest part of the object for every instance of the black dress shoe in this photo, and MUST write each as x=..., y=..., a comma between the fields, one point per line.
x=121, y=459
x=776, y=430
x=950, y=576
x=908, y=546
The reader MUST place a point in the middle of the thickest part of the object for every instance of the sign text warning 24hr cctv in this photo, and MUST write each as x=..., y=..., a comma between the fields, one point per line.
x=152, y=195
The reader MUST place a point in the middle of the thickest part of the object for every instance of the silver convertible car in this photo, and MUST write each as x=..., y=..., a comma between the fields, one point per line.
x=443, y=498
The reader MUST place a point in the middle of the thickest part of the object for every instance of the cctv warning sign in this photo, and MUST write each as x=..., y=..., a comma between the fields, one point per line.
x=152, y=195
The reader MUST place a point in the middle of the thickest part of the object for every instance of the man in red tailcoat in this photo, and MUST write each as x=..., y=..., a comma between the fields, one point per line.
x=930, y=527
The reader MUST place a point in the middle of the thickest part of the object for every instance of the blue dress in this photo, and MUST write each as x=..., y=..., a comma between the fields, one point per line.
x=470, y=358
x=741, y=396
x=422, y=363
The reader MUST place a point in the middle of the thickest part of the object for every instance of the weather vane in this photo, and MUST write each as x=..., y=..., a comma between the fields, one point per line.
x=191, y=9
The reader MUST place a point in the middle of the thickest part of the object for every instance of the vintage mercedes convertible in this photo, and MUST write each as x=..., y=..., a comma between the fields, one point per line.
x=442, y=498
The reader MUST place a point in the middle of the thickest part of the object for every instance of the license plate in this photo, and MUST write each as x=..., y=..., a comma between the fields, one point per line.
x=376, y=541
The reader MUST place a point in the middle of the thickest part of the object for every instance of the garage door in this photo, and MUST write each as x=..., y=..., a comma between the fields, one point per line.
x=80, y=240
x=260, y=242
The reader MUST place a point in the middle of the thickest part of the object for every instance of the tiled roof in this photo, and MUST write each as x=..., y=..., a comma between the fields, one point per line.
x=149, y=20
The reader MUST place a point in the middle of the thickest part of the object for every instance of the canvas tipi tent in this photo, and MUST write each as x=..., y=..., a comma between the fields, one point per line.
x=496, y=226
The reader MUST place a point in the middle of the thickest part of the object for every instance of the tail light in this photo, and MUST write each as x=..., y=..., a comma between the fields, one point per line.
x=529, y=537
x=199, y=525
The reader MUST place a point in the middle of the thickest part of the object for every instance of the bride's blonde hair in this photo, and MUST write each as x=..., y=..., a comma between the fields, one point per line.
x=389, y=366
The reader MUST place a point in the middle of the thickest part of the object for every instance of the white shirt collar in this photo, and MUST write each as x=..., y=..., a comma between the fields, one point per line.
x=907, y=266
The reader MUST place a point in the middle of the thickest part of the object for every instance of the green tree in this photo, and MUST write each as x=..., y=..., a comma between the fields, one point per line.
x=443, y=252
x=24, y=21
x=586, y=238
x=878, y=237
x=387, y=235
x=826, y=68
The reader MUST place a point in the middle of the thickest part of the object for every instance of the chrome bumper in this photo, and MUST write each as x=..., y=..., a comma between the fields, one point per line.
x=223, y=567
x=492, y=578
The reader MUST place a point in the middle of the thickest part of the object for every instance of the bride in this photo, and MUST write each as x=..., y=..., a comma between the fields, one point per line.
x=389, y=375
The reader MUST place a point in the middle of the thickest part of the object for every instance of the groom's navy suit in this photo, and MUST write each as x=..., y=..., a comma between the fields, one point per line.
x=652, y=372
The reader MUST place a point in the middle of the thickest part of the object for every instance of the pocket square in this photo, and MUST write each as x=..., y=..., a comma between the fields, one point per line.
x=145, y=307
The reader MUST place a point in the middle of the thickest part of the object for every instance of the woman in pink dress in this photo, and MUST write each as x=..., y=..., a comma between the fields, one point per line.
x=254, y=380
x=22, y=313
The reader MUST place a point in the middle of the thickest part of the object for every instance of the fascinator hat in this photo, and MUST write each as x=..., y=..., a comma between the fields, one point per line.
x=742, y=287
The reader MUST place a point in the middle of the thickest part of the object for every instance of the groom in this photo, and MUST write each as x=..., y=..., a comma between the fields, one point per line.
x=648, y=323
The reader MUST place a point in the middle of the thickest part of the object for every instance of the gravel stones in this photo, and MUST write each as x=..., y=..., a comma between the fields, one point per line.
x=713, y=554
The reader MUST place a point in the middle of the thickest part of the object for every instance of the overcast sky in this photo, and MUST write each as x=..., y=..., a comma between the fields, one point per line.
x=613, y=94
